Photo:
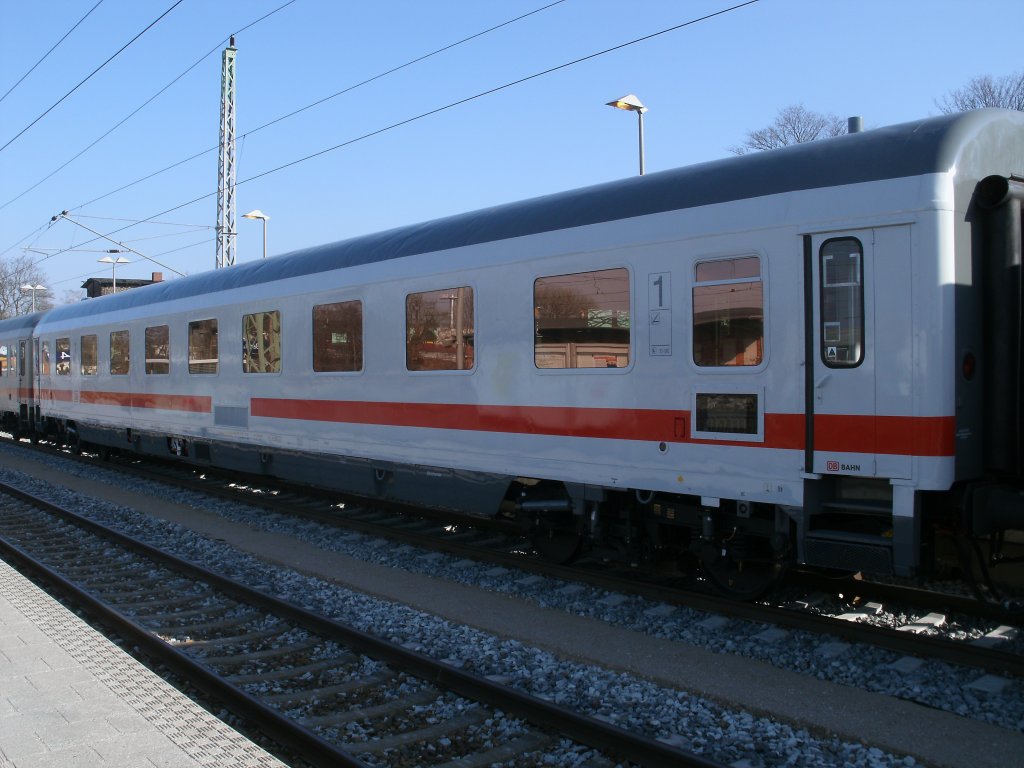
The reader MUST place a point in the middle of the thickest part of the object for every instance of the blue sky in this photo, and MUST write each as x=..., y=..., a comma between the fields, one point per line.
x=705, y=84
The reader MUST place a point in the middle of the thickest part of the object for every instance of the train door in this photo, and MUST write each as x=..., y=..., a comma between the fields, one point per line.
x=24, y=381
x=860, y=352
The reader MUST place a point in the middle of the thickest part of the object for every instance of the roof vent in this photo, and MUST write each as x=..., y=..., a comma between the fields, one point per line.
x=854, y=124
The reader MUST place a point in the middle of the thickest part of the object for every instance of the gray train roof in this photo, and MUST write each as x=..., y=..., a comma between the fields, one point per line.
x=910, y=149
x=25, y=323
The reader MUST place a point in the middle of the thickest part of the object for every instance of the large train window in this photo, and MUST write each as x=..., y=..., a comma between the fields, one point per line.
x=338, y=336
x=202, y=346
x=261, y=342
x=842, y=302
x=582, y=320
x=728, y=312
x=62, y=348
x=89, y=354
x=439, y=331
x=158, y=350
x=119, y=353
x=44, y=357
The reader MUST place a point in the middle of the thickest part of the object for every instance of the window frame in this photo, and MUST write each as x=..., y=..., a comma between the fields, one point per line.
x=759, y=279
x=127, y=356
x=406, y=328
x=245, y=365
x=196, y=365
x=56, y=352
x=95, y=344
x=150, y=363
x=361, y=342
x=823, y=285
x=631, y=343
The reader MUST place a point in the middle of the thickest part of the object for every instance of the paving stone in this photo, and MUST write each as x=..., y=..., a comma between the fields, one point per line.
x=832, y=650
x=771, y=635
x=992, y=684
x=714, y=623
x=660, y=611
x=571, y=589
x=924, y=623
x=906, y=665
x=531, y=581
x=997, y=637
x=861, y=613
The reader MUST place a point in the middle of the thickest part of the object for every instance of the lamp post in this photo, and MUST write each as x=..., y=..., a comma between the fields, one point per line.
x=258, y=214
x=113, y=267
x=632, y=104
x=33, y=289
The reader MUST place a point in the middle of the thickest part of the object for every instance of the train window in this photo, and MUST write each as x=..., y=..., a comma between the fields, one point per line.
x=21, y=358
x=261, y=342
x=439, y=331
x=44, y=358
x=582, y=320
x=726, y=413
x=202, y=346
x=62, y=348
x=842, y=302
x=89, y=354
x=338, y=336
x=728, y=312
x=119, y=353
x=3, y=360
x=158, y=349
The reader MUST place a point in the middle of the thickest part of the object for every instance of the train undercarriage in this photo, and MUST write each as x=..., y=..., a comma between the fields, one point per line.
x=741, y=548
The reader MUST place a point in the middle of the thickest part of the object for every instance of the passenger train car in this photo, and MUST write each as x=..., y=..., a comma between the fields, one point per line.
x=807, y=355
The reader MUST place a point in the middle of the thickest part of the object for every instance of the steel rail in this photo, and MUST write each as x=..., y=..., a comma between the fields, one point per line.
x=952, y=651
x=582, y=728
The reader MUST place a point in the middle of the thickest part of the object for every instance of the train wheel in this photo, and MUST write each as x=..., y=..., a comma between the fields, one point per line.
x=556, y=544
x=740, y=578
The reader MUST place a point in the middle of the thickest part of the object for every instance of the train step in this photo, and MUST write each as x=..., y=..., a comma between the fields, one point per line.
x=859, y=506
x=849, y=551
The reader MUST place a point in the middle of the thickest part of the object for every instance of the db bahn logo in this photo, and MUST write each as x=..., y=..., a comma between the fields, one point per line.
x=831, y=466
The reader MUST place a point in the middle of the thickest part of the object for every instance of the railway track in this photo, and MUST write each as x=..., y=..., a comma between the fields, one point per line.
x=329, y=693
x=504, y=546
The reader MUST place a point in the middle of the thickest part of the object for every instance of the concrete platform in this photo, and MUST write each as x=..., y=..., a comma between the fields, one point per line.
x=70, y=698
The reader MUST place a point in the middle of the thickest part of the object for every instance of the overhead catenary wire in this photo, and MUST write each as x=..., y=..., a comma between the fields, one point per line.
x=316, y=103
x=89, y=76
x=138, y=109
x=438, y=110
x=52, y=49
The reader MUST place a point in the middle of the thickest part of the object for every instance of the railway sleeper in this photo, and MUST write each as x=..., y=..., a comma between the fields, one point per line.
x=388, y=708
x=298, y=671
x=474, y=716
x=288, y=699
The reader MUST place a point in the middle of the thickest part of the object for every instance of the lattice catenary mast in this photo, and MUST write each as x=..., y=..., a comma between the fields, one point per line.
x=226, y=162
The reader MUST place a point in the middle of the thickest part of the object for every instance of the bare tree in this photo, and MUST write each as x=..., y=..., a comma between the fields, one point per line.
x=986, y=91
x=14, y=273
x=793, y=125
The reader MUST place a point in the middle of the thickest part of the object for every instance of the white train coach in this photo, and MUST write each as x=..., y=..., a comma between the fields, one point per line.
x=807, y=355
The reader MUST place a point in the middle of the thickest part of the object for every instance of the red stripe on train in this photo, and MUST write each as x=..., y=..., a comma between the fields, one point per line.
x=188, y=403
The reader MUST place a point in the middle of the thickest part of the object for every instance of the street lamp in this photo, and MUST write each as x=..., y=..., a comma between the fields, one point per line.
x=33, y=289
x=632, y=104
x=113, y=267
x=258, y=214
